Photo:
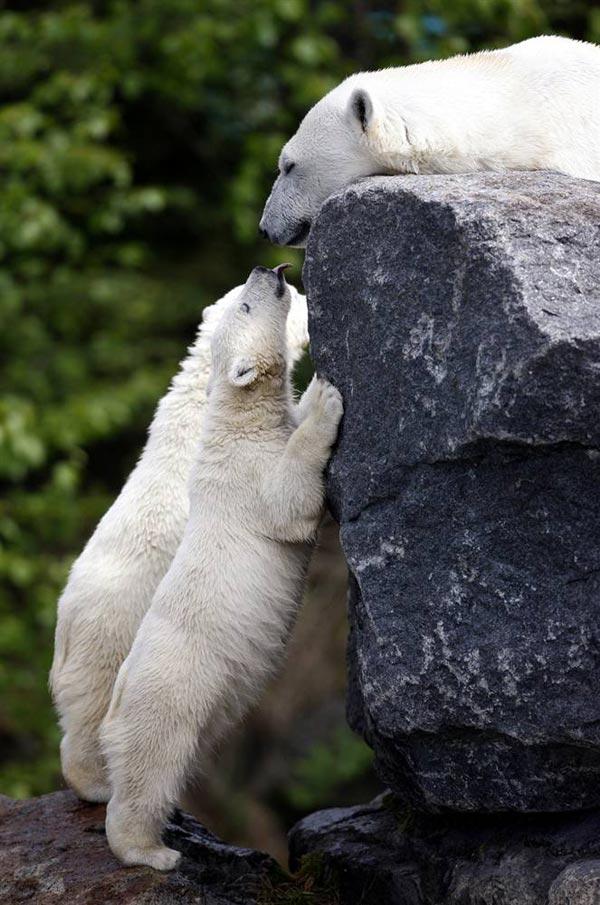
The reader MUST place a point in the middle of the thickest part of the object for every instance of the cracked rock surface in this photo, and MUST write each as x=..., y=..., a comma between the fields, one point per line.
x=460, y=318
x=53, y=850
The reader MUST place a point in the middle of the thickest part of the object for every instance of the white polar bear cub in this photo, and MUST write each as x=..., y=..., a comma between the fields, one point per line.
x=220, y=618
x=112, y=583
x=532, y=106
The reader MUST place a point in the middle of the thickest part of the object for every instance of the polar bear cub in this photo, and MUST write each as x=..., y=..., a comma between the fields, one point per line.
x=532, y=106
x=220, y=618
x=111, y=584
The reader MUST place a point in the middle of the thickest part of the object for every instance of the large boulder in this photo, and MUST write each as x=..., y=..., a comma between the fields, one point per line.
x=460, y=318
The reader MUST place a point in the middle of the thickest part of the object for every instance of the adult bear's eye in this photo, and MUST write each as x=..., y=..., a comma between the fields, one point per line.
x=245, y=307
x=288, y=168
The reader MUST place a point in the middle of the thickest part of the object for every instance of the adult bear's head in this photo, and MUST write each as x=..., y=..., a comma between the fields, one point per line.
x=344, y=137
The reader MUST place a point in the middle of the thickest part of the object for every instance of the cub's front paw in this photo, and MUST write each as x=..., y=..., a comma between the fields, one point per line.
x=327, y=408
x=297, y=326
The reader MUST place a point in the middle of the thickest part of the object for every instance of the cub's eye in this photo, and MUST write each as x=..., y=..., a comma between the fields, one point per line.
x=288, y=168
x=245, y=307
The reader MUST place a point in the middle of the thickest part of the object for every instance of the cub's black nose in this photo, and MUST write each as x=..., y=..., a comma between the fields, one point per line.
x=263, y=232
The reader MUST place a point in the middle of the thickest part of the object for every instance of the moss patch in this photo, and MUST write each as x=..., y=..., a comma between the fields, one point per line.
x=315, y=883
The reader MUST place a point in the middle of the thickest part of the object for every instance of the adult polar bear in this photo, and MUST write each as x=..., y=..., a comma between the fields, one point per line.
x=532, y=106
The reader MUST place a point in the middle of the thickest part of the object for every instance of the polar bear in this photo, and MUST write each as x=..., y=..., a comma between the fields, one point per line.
x=532, y=106
x=111, y=584
x=220, y=618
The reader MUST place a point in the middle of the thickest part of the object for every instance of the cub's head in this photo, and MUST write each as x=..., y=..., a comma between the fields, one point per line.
x=297, y=321
x=249, y=346
x=336, y=143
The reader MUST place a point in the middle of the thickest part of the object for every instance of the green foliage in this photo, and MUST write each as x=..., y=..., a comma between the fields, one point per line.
x=327, y=768
x=137, y=142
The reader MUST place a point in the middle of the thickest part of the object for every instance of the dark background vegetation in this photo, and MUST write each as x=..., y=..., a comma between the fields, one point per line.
x=138, y=140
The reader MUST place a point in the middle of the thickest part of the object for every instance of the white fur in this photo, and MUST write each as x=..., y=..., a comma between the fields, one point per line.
x=532, y=106
x=112, y=583
x=220, y=618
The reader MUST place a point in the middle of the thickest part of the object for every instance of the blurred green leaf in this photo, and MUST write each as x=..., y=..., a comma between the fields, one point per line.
x=326, y=768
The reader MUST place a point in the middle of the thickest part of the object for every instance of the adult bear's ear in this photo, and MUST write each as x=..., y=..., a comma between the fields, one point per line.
x=387, y=139
x=243, y=372
x=361, y=109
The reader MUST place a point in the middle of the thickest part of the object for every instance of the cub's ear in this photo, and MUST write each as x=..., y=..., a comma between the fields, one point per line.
x=243, y=372
x=361, y=109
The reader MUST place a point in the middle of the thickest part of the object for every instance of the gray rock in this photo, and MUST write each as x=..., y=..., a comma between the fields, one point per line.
x=578, y=884
x=387, y=853
x=460, y=318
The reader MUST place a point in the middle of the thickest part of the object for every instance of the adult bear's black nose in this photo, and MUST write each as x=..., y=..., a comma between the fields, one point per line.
x=263, y=232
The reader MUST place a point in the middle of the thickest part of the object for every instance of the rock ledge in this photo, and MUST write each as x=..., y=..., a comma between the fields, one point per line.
x=53, y=850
